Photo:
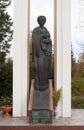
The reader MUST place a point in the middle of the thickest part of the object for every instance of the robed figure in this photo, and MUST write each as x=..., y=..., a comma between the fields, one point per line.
x=41, y=54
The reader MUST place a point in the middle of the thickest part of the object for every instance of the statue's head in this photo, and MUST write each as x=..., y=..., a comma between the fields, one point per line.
x=41, y=20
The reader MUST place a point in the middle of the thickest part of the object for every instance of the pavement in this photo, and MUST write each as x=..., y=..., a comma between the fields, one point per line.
x=77, y=119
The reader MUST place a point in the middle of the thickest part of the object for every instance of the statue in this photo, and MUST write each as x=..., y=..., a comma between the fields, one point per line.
x=41, y=54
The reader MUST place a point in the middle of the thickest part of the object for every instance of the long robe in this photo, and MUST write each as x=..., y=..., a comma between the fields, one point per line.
x=41, y=56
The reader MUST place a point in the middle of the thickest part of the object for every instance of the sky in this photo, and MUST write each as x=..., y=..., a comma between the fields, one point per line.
x=10, y=9
x=77, y=20
x=77, y=26
x=47, y=11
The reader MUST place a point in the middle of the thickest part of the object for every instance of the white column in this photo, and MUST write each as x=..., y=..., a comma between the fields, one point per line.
x=59, y=51
x=64, y=56
x=20, y=58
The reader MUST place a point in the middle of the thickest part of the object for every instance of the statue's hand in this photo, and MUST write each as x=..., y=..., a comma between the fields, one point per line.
x=47, y=40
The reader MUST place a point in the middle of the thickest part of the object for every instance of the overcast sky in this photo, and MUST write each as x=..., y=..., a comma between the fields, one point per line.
x=77, y=25
x=46, y=8
x=10, y=9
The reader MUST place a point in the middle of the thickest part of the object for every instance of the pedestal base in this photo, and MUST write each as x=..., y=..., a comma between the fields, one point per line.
x=40, y=105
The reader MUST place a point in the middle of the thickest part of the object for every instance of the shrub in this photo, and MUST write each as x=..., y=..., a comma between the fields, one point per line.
x=56, y=97
x=78, y=102
x=78, y=86
x=6, y=100
x=6, y=72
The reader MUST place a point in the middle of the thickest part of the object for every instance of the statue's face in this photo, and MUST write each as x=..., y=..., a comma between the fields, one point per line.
x=42, y=21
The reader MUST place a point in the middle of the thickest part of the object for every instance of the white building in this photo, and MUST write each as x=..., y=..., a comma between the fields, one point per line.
x=21, y=60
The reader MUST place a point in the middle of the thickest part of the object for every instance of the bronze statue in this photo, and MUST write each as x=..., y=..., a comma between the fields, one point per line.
x=41, y=54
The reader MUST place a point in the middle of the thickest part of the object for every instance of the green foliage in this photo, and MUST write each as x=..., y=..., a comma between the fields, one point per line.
x=2, y=58
x=78, y=102
x=56, y=97
x=78, y=83
x=5, y=26
x=6, y=100
x=78, y=92
x=6, y=72
x=78, y=86
x=6, y=67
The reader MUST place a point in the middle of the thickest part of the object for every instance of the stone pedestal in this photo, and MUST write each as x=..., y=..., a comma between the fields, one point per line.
x=40, y=105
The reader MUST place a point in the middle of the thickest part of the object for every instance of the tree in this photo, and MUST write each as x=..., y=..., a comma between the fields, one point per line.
x=6, y=23
x=81, y=62
x=81, y=58
x=6, y=34
x=72, y=62
x=2, y=58
x=6, y=72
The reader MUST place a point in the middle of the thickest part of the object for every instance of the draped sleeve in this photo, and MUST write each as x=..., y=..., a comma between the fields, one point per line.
x=35, y=44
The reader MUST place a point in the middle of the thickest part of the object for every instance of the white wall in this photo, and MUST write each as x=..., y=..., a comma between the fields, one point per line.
x=20, y=58
x=64, y=56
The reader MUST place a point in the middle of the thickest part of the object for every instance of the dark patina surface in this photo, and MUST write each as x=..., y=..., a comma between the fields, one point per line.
x=41, y=54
